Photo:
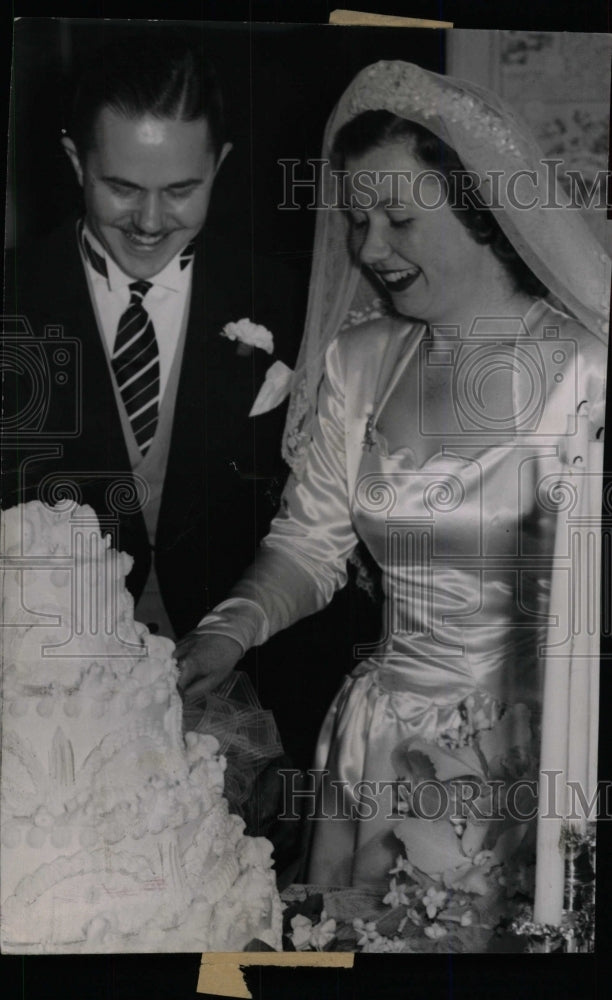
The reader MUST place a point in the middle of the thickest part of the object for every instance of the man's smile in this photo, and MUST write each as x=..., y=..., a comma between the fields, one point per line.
x=142, y=241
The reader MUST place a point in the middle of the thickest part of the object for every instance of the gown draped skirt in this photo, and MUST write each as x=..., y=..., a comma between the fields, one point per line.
x=464, y=615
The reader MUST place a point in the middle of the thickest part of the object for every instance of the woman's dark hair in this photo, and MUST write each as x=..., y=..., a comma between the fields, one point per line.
x=377, y=128
x=147, y=71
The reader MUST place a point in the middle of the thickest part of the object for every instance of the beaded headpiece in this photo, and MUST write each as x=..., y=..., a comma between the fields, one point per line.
x=552, y=238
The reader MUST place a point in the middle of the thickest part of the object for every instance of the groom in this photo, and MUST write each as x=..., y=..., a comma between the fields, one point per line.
x=145, y=408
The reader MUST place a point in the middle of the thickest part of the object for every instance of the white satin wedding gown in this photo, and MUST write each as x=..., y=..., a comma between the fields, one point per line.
x=464, y=543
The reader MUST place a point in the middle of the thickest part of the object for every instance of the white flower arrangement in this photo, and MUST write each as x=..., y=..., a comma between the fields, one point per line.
x=250, y=334
x=309, y=936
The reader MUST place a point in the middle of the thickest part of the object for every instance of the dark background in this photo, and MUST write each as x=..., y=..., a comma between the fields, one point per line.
x=292, y=78
x=280, y=83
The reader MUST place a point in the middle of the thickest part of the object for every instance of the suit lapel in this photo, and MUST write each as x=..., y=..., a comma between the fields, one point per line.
x=216, y=387
x=53, y=291
x=64, y=281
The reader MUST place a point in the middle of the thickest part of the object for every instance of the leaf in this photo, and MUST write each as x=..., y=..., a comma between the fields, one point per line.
x=510, y=841
x=411, y=763
x=349, y=904
x=471, y=939
x=310, y=907
x=490, y=909
x=472, y=880
x=447, y=764
x=513, y=730
x=346, y=939
x=388, y=925
x=474, y=837
x=431, y=846
x=255, y=944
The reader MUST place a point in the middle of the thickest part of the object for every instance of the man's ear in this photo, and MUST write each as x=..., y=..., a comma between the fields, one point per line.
x=71, y=152
x=227, y=148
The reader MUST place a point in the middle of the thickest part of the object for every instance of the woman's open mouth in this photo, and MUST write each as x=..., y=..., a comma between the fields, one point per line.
x=398, y=281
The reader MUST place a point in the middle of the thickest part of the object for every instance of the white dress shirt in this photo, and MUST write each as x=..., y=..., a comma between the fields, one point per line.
x=165, y=303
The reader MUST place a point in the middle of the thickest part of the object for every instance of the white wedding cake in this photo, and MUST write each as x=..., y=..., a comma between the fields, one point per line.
x=116, y=836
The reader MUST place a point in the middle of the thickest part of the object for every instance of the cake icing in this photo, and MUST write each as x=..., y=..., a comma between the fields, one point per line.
x=115, y=834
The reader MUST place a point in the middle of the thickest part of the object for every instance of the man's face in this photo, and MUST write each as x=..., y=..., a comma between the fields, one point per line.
x=147, y=184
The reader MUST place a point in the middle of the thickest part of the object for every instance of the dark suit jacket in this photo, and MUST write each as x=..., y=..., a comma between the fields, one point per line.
x=224, y=469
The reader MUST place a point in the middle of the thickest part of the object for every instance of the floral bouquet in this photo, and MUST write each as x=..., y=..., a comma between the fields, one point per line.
x=465, y=867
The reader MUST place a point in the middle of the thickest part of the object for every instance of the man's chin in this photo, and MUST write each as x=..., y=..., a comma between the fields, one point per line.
x=142, y=271
x=143, y=262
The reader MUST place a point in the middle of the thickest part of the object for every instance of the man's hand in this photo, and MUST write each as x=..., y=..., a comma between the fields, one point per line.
x=204, y=662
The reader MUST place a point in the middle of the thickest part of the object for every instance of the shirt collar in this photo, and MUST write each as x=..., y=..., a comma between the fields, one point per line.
x=172, y=276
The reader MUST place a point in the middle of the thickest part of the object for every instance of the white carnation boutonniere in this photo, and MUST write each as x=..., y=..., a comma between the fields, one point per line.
x=249, y=335
x=277, y=383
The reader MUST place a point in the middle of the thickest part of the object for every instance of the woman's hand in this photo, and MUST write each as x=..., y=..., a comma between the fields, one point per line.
x=204, y=662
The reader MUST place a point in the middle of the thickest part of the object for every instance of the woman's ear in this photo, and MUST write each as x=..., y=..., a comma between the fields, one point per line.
x=72, y=154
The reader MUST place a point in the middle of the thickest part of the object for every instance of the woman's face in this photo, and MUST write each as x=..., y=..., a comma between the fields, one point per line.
x=425, y=257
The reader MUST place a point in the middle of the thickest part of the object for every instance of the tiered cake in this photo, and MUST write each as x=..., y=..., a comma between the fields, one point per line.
x=116, y=836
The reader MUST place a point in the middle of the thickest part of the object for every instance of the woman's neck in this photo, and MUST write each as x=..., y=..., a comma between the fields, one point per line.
x=499, y=300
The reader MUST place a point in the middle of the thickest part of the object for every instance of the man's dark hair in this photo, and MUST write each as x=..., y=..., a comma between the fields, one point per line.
x=147, y=71
x=377, y=128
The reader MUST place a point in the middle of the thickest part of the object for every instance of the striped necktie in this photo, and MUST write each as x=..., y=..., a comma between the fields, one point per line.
x=135, y=359
x=135, y=362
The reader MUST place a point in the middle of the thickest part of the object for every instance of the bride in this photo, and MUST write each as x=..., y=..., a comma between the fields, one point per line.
x=452, y=334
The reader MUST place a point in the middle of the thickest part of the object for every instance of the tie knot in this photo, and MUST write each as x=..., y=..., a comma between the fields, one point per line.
x=139, y=289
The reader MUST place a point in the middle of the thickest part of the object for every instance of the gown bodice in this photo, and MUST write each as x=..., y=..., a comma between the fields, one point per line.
x=465, y=555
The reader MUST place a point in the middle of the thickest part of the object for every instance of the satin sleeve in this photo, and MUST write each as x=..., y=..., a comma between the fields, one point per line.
x=302, y=560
